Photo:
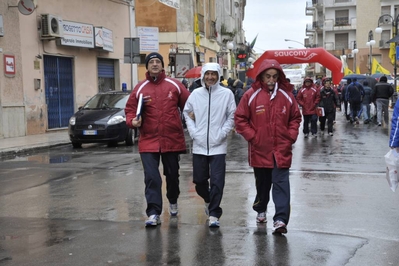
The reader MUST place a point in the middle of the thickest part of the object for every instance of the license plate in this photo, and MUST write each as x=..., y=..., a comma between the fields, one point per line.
x=89, y=132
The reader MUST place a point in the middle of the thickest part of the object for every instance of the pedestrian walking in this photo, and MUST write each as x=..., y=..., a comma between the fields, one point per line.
x=161, y=134
x=329, y=101
x=268, y=117
x=366, y=102
x=380, y=95
x=344, y=100
x=309, y=97
x=354, y=95
x=209, y=113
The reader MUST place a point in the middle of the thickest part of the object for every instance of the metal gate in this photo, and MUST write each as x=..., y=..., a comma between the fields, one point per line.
x=106, y=74
x=58, y=83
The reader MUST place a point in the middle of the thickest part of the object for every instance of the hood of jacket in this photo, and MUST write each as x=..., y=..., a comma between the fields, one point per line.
x=210, y=67
x=268, y=64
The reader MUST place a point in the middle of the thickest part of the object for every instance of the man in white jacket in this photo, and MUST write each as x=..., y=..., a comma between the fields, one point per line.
x=209, y=113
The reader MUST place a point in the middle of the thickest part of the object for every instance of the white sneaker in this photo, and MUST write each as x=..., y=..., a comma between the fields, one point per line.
x=153, y=220
x=173, y=209
x=261, y=217
x=279, y=227
x=213, y=221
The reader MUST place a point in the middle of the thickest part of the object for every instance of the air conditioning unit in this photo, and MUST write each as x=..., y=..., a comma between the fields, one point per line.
x=52, y=26
x=350, y=55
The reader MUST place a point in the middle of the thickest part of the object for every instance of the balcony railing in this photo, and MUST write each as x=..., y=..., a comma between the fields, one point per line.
x=384, y=44
x=342, y=21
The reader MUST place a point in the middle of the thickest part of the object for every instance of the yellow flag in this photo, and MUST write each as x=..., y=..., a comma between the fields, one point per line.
x=377, y=68
x=347, y=71
x=392, y=52
x=196, y=31
x=357, y=70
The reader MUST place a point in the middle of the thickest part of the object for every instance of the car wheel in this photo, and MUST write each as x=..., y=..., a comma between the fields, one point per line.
x=130, y=137
x=76, y=144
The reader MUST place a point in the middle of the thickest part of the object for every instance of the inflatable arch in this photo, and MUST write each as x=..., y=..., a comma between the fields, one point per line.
x=298, y=56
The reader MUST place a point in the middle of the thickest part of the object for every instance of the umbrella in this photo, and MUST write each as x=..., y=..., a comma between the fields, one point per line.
x=355, y=76
x=379, y=75
x=371, y=81
x=194, y=72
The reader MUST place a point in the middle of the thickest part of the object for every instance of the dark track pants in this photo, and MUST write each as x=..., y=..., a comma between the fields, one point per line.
x=153, y=180
x=212, y=168
x=313, y=124
x=279, y=178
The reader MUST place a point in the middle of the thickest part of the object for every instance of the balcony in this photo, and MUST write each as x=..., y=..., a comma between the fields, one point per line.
x=339, y=46
x=339, y=24
x=383, y=44
x=316, y=26
x=343, y=21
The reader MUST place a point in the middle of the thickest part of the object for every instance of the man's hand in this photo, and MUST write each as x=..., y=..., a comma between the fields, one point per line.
x=191, y=115
x=136, y=122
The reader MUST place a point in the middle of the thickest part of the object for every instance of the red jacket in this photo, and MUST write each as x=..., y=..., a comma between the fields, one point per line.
x=308, y=98
x=269, y=122
x=161, y=128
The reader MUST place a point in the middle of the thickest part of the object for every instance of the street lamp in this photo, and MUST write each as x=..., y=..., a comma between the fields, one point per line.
x=289, y=40
x=394, y=23
x=370, y=44
x=230, y=46
x=354, y=52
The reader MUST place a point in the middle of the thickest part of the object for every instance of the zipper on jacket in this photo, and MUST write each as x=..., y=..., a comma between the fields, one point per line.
x=209, y=119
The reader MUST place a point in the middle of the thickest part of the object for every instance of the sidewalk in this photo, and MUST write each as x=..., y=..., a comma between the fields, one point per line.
x=11, y=146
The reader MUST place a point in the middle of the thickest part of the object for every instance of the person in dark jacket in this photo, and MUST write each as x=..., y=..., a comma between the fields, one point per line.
x=354, y=95
x=161, y=134
x=196, y=84
x=294, y=90
x=248, y=84
x=268, y=118
x=366, y=102
x=380, y=95
x=239, y=88
x=230, y=85
x=329, y=101
x=343, y=98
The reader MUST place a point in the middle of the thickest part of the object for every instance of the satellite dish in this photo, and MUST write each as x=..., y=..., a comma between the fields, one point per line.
x=26, y=7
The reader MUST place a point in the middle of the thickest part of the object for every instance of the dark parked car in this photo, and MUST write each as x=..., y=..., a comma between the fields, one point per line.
x=102, y=120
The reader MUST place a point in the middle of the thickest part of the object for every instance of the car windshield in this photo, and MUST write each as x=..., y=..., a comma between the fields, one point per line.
x=112, y=101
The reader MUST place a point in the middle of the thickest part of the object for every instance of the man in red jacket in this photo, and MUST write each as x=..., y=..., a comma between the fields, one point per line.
x=309, y=97
x=161, y=134
x=268, y=117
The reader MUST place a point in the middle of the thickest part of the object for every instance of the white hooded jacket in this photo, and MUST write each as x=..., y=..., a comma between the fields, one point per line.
x=213, y=109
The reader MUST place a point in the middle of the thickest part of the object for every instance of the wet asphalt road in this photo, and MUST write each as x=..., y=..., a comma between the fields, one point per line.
x=86, y=207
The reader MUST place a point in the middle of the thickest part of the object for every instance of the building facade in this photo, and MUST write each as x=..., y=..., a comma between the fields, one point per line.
x=58, y=54
x=345, y=26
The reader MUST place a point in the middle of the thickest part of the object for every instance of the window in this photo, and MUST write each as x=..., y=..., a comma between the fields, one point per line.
x=341, y=17
x=341, y=41
x=386, y=10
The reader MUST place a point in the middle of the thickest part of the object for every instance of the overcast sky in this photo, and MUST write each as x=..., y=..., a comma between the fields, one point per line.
x=274, y=21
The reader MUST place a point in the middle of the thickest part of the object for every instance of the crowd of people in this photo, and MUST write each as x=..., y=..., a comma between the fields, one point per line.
x=266, y=111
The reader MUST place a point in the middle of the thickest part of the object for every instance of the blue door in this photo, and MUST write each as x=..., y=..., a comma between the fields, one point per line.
x=58, y=84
